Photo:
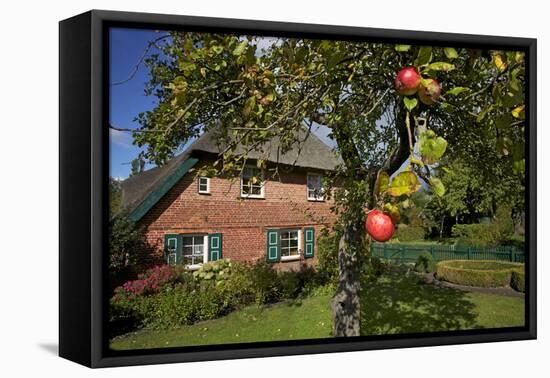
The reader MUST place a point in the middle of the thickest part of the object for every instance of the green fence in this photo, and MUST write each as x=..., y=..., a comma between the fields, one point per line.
x=408, y=253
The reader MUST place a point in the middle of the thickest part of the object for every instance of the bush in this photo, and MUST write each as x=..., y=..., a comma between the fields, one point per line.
x=171, y=296
x=486, y=235
x=425, y=263
x=477, y=273
x=406, y=233
x=125, y=248
x=517, y=281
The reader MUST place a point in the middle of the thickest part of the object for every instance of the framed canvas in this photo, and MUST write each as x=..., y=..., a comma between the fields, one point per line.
x=235, y=188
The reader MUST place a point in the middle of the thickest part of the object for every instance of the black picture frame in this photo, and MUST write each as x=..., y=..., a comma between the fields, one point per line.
x=83, y=151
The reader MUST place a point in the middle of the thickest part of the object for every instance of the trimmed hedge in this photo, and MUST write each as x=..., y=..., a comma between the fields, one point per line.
x=406, y=233
x=425, y=263
x=477, y=273
x=517, y=281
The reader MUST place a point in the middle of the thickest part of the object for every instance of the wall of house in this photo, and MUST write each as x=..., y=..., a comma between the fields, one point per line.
x=243, y=222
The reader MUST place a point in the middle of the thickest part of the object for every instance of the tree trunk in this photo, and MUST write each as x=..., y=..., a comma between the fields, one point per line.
x=346, y=307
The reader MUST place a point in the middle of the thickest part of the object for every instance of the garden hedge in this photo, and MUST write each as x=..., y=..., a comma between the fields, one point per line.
x=479, y=273
x=517, y=281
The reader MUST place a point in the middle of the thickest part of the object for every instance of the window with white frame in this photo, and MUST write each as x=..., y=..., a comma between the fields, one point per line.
x=193, y=249
x=252, y=182
x=172, y=251
x=289, y=243
x=204, y=185
x=314, y=187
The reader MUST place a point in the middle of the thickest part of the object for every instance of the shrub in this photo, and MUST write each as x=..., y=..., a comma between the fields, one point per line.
x=486, y=235
x=407, y=233
x=517, y=280
x=477, y=273
x=171, y=296
x=425, y=263
x=216, y=271
x=154, y=280
x=125, y=247
x=264, y=282
x=181, y=306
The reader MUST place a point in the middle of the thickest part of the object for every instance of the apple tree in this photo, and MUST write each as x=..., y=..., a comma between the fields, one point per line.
x=391, y=110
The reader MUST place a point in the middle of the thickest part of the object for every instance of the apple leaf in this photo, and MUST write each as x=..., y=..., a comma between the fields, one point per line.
x=424, y=56
x=450, y=53
x=240, y=48
x=417, y=161
x=441, y=66
x=519, y=112
x=410, y=103
x=431, y=147
x=381, y=184
x=499, y=62
x=402, y=48
x=457, y=90
x=393, y=212
x=403, y=184
x=437, y=186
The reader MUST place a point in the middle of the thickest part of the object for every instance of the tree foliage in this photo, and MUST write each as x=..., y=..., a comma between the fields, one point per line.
x=250, y=90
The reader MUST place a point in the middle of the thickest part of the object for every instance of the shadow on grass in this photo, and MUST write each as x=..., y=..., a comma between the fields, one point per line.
x=398, y=303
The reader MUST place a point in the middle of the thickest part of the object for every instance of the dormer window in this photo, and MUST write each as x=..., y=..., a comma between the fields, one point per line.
x=204, y=185
x=314, y=187
x=252, y=183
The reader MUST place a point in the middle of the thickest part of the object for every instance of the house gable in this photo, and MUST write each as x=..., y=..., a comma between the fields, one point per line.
x=161, y=190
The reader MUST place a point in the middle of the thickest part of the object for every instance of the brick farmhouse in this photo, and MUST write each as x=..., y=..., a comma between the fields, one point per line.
x=190, y=220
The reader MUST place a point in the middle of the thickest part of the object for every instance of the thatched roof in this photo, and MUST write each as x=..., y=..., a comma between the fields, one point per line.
x=309, y=152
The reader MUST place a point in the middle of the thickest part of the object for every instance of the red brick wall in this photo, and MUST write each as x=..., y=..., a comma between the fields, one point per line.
x=243, y=222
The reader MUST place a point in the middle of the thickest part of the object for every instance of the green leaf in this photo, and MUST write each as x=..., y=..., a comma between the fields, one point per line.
x=381, y=184
x=402, y=48
x=417, y=161
x=503, y=121
x=240, y=48
x=519, y=112
x=424, y=56
x=249, y=105
x=437, y=186
x=450, y=53
x=217, y=49
x=457, y=90
x=431, y=147
x=393, y=211
x=410, y=103
x=441, y=66
x=187, y=66
x=403, y=184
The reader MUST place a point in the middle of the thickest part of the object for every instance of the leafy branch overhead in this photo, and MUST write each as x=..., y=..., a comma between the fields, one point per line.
x=399, y=115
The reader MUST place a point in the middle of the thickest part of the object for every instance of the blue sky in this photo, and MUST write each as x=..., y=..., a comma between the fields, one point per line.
x=129, y=99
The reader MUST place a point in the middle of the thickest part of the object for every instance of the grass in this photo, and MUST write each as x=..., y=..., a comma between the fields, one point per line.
x=395, y=304
x=306, y=319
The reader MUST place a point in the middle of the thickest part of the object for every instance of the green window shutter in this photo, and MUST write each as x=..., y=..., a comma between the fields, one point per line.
x=214, y=247
x=172, y=249
x=309, y=242
x=273, y=252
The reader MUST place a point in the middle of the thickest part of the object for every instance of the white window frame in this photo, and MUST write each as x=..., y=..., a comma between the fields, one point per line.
x=320, y=197
x=207, y=185
x=262, y=186
x=205, y=252
x=172, y=253
x=291, y=257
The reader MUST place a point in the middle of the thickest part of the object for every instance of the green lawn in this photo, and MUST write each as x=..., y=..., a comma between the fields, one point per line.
x=395, y=304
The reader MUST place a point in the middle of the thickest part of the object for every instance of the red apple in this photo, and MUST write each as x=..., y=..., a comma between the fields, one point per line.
x=407, y=81
x=429, y=92
x=380, y=226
